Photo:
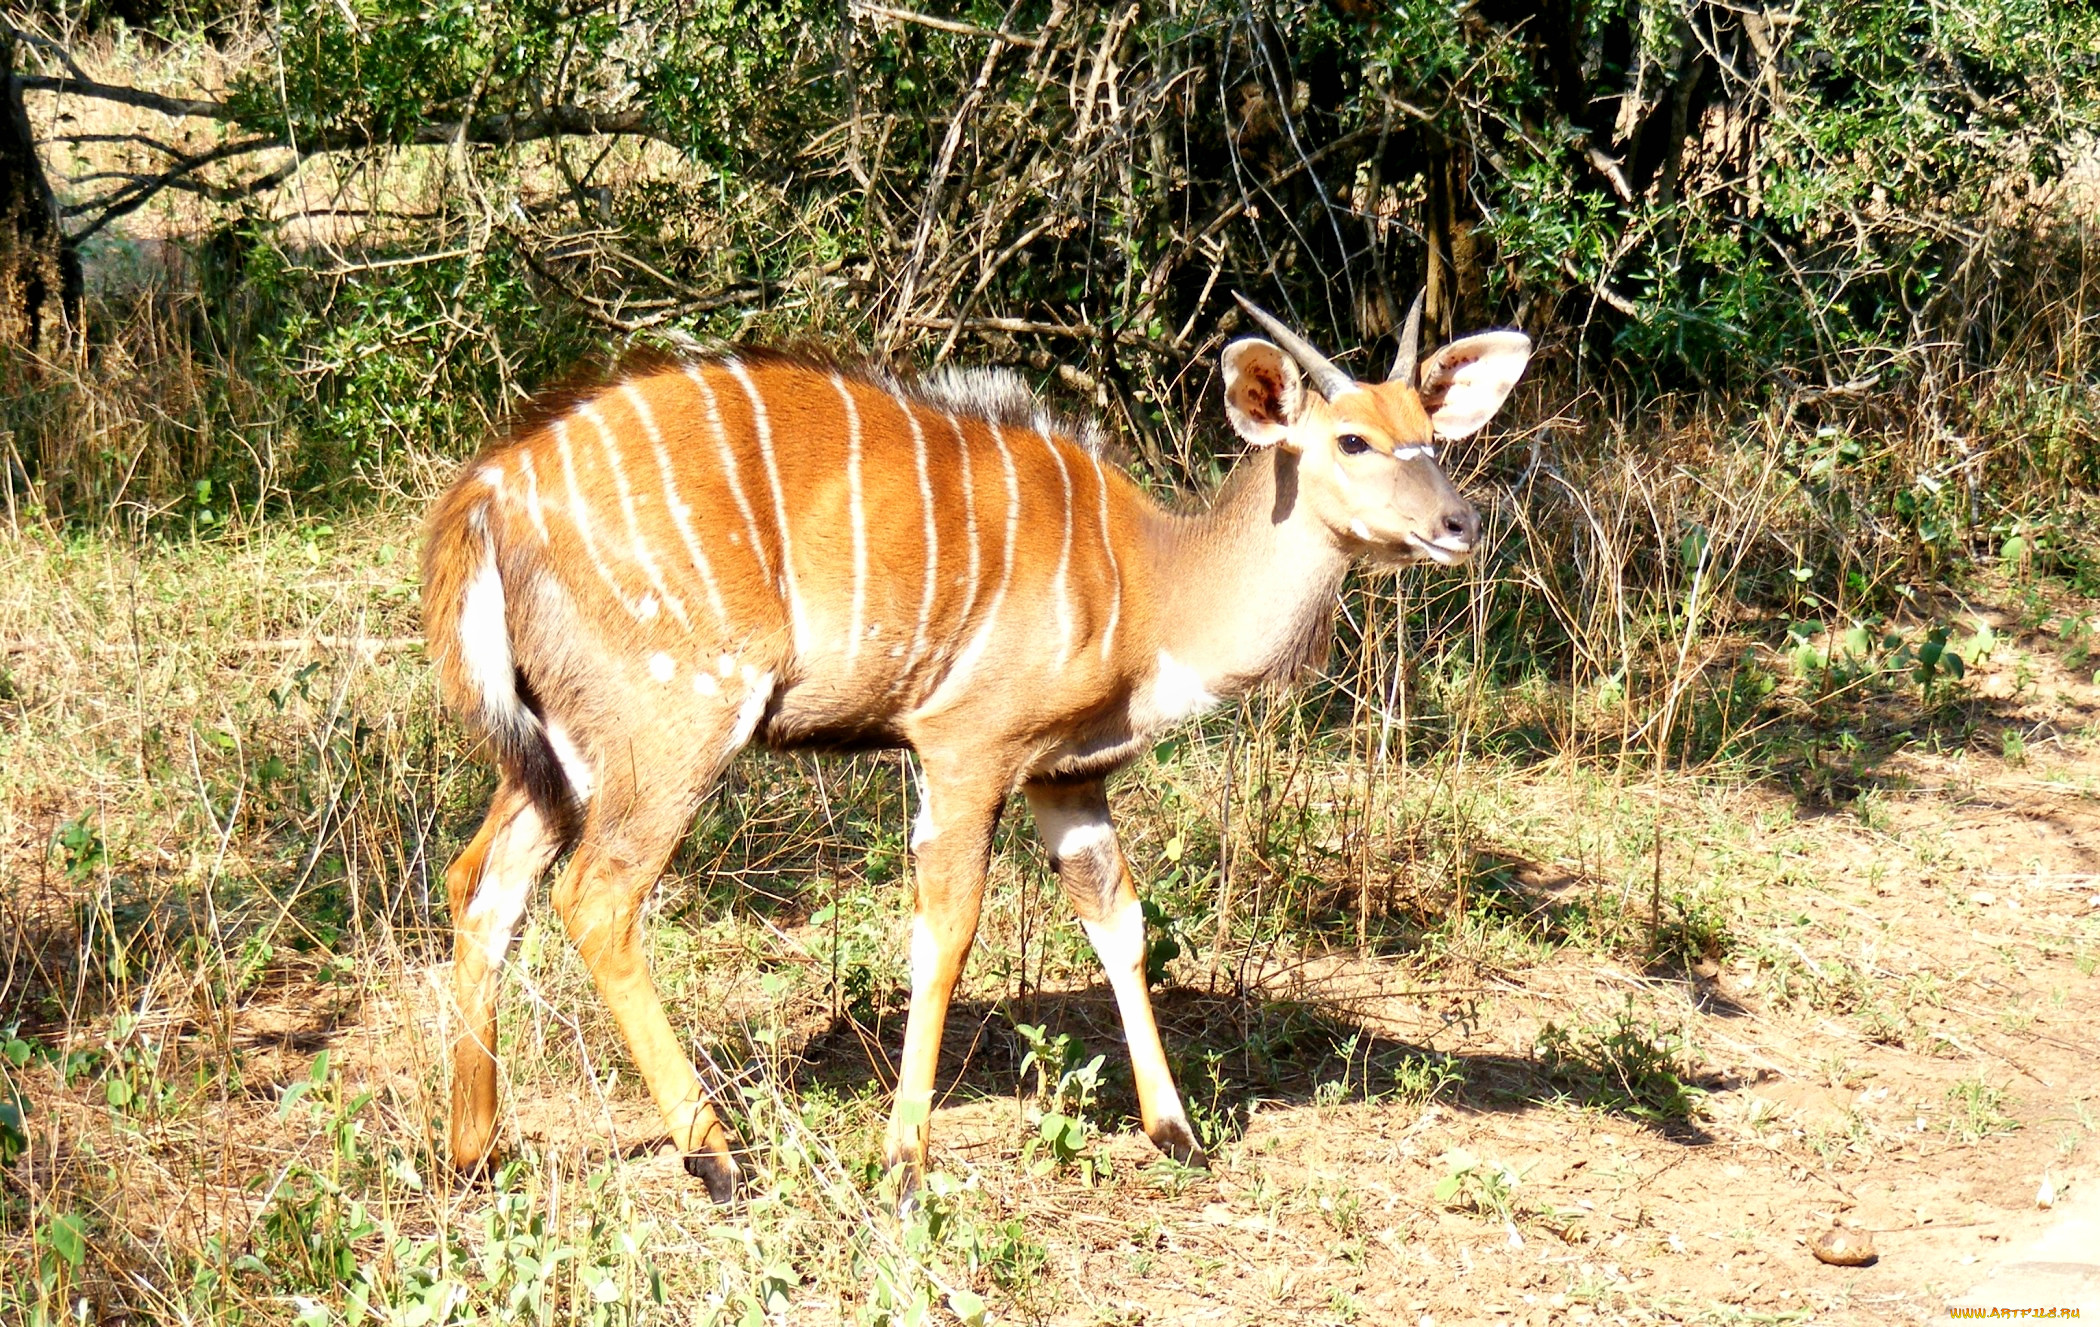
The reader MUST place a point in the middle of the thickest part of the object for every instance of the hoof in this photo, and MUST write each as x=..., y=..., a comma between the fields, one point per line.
x=908, y=1177
x=724, y=1180
x=477, y=1172
x=1178, y=1141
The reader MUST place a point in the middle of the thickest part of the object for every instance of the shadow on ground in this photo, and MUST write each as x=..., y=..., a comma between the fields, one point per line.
x=1233, y=1054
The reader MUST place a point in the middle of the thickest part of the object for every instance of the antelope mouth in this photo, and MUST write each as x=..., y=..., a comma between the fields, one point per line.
x=1445, y=552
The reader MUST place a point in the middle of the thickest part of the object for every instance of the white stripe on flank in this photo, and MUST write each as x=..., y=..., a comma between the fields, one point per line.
x=1059, y=582
x=642, y=556
x=532, y=493
x=581, y=515
x=1115, y=572
x=962, y=448
x=933, y=536
x=764, y=427
x=959, y=674
x=681, y=515
x=860, y=523
x=728, y=454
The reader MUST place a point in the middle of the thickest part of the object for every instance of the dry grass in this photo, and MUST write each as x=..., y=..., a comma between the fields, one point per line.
x=224, y=958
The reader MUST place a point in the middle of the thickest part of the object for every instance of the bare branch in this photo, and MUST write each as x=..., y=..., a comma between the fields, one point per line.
x=178, y=107
x=941, y=24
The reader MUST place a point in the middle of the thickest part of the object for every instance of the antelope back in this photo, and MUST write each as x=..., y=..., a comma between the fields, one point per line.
x=712, y=531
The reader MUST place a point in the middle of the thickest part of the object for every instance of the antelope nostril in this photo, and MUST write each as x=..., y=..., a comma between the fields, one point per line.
x=1462, y=523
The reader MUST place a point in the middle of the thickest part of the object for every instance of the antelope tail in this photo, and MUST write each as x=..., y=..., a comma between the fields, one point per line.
x=467, y=634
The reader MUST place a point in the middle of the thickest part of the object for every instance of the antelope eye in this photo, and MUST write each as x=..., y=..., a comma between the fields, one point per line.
x=1352, y=445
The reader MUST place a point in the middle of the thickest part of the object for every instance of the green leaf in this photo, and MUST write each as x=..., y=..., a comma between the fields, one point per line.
x=2013, y=549
x=967, y=1305
x=67, y=1237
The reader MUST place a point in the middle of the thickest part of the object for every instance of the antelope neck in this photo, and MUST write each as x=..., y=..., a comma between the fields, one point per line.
x=1246, y=587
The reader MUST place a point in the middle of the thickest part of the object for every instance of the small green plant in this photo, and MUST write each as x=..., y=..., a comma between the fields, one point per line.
x=81, y=851
x=2012, y=745
x=1065, y=1089
x=1931, y=662
x=1216, y=1118
x=1624, y=1064
x=1162, y=942
x=1488, y=1189
x=1975, y=1111
x=1421, y=1079
x=15, y=1055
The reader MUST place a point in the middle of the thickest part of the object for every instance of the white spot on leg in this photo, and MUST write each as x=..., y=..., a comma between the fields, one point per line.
x=725, y=665
x=1120, y=941
x=751, y=710
x=705, y=684
x=497, y=908
x=1070, y=832
x=1080, y=838
x=578, y=770
x=660, y=666
x=923, y=830
x=925, y=957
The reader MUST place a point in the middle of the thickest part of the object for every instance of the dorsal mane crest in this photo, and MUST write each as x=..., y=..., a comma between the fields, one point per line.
x=996, y=395
x=993, y=393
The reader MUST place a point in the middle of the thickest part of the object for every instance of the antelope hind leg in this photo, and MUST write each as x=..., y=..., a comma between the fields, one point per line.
x=489, y=884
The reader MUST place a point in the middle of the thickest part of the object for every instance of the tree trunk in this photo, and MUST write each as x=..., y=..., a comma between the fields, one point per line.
x=1455, y=282
x=39, y=272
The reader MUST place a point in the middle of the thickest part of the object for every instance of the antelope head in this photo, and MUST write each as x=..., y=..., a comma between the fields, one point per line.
x=1367, y=452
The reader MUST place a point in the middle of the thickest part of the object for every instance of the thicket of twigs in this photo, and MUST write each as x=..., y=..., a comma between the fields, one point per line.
x=1857, y=213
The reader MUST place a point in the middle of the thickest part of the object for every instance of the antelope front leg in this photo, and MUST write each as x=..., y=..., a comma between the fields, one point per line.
x=951, y=844
x=1073, y=820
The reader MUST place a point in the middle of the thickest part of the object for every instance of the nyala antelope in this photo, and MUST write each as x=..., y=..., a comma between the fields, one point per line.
x=755, y=546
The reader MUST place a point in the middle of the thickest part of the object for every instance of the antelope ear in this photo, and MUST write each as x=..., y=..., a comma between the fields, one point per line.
x=1264, y=392
x=1465, y=383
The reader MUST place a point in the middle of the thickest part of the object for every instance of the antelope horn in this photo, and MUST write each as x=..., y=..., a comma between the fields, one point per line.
x=1325, y=375
x=1410, y=342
